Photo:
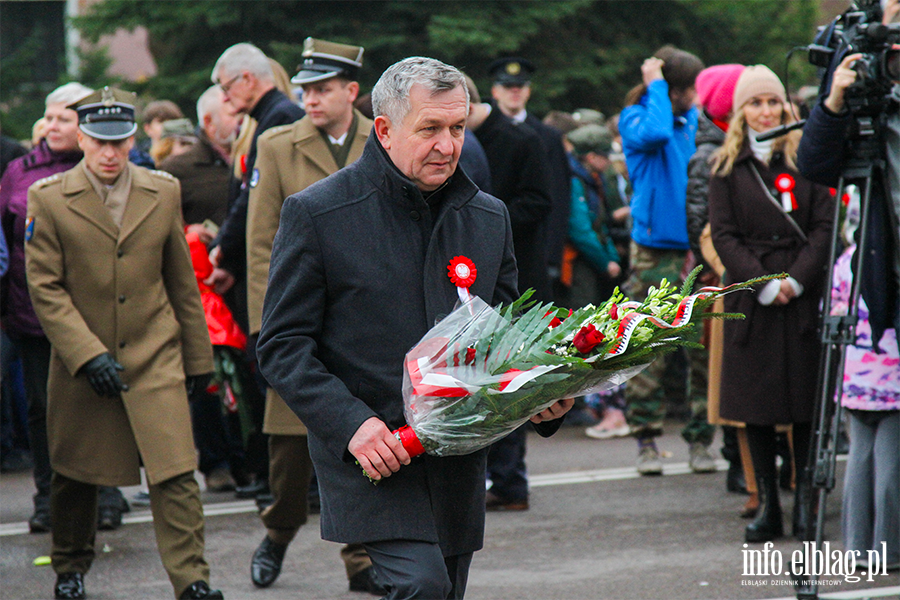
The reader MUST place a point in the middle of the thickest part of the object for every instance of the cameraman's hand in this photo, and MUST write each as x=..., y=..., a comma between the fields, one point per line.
x=842, y=78
x=651, y=70
x=891, y=11
x=102, y=373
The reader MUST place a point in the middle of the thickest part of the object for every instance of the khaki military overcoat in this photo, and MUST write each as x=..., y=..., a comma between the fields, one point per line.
x=129, y=291
x=289, y=159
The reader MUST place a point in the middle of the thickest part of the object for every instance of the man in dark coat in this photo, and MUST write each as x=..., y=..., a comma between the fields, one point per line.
x=519, y=176
x=822, y=156
x=358, y=275
x=245, y=75
x=511, y=90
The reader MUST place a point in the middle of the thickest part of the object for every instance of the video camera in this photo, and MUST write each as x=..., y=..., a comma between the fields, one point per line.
x=860, y=30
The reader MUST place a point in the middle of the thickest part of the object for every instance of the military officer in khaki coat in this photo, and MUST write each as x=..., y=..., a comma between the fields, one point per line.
x=111, y=280
x=289, y=159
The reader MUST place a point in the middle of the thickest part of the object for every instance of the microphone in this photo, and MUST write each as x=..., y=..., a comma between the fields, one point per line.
x=779, y=131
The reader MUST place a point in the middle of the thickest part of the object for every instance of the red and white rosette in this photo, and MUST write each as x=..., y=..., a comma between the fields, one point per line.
x=785, y=184
x=462, y=273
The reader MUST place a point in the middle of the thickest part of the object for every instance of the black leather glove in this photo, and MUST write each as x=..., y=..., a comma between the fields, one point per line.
x=103, y=374
x=196, y=384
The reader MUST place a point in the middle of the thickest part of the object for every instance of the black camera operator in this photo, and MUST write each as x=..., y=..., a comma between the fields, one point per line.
x=852, y=136
x=823, y=153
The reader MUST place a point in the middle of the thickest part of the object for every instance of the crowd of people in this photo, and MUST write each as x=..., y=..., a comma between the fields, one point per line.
x=298, y=212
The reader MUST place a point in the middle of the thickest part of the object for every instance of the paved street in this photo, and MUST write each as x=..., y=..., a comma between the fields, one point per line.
x=595, y=530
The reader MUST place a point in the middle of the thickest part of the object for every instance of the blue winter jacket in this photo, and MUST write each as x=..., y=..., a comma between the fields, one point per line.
x=658, y=146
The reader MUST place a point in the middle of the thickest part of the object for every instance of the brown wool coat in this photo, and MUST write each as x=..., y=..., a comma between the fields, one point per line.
x=771, y=358
x=289, y=159
x=131, y=293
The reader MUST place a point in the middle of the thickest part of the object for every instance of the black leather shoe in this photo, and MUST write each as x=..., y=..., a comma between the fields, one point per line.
x=266, y=564
x=367, y=581
x=69, y=585
x=245, y=492
x=109, y=518
x=199, y=590
x=39, y=522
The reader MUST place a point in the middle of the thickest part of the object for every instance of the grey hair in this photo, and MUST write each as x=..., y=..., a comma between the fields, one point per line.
x=208, y=102
x=68, y=94
x=390, y=96
x=243, y=57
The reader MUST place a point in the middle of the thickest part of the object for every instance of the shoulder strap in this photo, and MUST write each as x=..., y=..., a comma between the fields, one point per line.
x=777, y=204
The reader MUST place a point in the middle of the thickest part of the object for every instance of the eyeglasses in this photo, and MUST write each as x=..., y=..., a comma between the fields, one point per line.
x=227, y=85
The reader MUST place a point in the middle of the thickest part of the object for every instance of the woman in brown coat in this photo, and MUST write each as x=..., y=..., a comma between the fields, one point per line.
x=766, y=218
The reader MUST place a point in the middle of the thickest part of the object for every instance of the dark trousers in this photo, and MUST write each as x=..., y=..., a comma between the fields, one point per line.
x=413, y=569
x=34, y=352
x=290, y=471
x=217, y=446
x=506, y=467
x=177, y=521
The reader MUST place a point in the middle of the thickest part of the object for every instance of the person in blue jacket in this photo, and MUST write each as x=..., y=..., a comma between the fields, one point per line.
x=657, y=128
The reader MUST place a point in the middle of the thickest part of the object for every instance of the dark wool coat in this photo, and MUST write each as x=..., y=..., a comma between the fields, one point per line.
x=519, y=178
x=205, y=178
x=771, y=359
x=823, y=153
x=358, y=275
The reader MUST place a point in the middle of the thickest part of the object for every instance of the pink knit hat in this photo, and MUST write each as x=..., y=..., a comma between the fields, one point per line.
x=715, y=89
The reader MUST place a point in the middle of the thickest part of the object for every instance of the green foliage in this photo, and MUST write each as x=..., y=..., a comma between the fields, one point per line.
x=588, y=52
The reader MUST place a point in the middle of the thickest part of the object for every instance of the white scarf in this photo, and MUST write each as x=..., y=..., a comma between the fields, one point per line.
x=761, y=150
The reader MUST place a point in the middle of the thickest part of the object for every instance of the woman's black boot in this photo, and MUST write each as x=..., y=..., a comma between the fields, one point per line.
x=767, y=525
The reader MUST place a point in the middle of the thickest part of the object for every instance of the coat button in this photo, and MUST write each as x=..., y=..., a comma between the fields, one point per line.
x=121, y=344
x=414, y=215
x=122, y=299
x=120, y=253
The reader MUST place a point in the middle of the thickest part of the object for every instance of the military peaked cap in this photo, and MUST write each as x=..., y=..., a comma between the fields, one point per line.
x=107, y=114
x=322, y=60
x=511, y=71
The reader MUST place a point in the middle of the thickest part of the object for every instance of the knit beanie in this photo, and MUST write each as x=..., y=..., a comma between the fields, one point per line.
x=756, y=80
x=715, y=89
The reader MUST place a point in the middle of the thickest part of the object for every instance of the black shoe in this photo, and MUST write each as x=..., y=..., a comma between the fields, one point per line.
x=39, y=521
x=734, y=481
x=69, y=585
x=768, y=524
x=367, y=581
x=265, y=567
x=109, y=518
x=493, y=502
x=245, y=492
x=200, y=589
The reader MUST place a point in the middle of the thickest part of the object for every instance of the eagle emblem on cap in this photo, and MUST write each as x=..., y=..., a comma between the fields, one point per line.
x=107, y=97
x=513, y=68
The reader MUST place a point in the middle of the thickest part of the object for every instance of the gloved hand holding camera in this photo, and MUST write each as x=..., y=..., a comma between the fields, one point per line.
x=103, y=374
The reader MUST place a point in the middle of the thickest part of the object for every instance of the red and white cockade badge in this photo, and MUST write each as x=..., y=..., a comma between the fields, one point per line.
x=462, y=273
x=784, y=183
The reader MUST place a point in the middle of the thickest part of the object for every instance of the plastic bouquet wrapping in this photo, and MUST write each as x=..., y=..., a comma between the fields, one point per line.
x=482, y=372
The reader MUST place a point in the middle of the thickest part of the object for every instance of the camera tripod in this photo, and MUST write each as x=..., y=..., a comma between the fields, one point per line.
x=865, y=167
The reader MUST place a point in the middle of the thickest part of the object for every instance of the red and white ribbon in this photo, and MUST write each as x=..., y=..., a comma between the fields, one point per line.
x=682, y=316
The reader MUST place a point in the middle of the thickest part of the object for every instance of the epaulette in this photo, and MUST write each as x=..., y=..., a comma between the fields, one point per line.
x=163, y=174
x=41, y=183
x=279, y=129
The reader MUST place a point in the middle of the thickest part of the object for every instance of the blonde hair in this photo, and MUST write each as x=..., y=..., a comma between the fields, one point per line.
x=722, y=160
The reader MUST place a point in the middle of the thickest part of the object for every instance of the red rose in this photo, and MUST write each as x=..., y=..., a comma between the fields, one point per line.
x=614, y=311
x=587, y=338
x=555, y=321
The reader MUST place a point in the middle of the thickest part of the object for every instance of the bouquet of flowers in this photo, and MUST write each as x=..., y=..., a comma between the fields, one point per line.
x=482, y=372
